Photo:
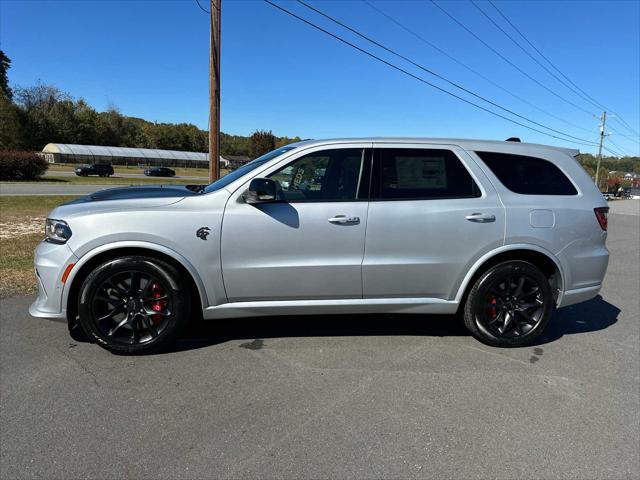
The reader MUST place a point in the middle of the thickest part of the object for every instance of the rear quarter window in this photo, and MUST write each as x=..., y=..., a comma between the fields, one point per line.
x=528, y=175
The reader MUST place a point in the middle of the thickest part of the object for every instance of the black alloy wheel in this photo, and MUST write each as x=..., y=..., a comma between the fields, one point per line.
x=509, y=305
x=133, y=305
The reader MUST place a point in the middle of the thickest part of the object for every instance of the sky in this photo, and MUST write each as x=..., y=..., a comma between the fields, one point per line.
x=150, y=59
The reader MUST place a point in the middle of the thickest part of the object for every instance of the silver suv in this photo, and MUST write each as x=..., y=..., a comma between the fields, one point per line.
x=499, y=232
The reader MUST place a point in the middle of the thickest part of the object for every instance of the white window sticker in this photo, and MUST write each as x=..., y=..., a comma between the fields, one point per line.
x=420, y=172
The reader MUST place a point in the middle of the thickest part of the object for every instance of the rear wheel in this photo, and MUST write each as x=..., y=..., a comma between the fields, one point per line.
x=134, y=305
x=509, y=305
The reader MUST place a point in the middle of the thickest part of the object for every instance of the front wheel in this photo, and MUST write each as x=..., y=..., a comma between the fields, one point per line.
x=134, y=305
x=509, y=305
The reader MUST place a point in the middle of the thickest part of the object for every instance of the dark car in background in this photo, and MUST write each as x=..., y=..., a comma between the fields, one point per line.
x=159, y=172
x=100, y=169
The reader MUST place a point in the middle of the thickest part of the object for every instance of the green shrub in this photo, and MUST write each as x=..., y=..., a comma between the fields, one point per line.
x=16, y=165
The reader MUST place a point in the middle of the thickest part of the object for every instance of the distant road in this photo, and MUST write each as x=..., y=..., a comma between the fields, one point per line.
x=66, y=173
x=49, y=189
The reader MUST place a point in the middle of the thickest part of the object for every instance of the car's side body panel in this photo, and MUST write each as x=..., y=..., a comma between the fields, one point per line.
x=423, y=248
x=564, y=225
x=170, y=229
x=291, y=250
x=414, y=256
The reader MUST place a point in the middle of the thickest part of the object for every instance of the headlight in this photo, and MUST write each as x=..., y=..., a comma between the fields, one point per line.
x=56, y=231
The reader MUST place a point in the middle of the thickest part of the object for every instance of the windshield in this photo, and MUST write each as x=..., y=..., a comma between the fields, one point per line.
x=239, y=172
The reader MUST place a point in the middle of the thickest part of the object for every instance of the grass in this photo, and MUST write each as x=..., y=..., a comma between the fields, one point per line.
x=21, y=229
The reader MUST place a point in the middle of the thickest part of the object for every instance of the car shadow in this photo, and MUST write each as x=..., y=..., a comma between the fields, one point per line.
x=594, y=315
x=256, y=329
x=591, y=316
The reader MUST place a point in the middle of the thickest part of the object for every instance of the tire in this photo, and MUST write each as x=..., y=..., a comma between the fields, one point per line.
x=509, y=305
x=134, y=305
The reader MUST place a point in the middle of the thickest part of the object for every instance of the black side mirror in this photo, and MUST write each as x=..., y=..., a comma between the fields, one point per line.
x=261, y=190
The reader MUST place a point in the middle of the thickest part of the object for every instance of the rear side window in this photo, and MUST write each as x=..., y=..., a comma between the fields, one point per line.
x=528, y=175
x=421, y=174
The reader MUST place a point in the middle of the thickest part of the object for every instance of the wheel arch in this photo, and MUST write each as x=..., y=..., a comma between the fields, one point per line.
x=533, y=254
x=106, y=252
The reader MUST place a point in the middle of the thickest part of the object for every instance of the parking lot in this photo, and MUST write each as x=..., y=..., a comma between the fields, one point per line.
x=343, y=396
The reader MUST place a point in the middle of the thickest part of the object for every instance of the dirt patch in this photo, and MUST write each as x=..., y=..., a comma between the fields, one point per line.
x=29, y=225
x=14, y=281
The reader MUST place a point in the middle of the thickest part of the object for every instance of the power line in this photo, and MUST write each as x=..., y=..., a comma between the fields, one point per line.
x=532, y=57
x=462, y=64
x=406, y=72
x=623, y=150
x=510, y=62
x=431, y=72
x=610, y=150
x=620, y=119
x=202, y=8
x=624, y=134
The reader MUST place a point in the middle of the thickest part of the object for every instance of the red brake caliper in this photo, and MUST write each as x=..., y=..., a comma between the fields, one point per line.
x=157, y=305
x=491, y=310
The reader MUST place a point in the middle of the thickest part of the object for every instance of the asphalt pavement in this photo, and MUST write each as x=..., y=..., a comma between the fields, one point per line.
x=66, y=173
x=386, y=396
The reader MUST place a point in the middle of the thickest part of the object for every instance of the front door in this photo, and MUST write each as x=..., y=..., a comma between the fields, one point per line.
x=432, y=214
x=310, y=243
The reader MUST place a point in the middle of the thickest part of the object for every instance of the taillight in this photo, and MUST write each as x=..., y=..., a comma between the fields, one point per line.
x=601, y=214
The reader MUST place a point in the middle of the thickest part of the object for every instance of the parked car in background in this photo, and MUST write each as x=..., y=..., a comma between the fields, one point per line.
x=501, y=233
x=100, y=169
x=159, y=172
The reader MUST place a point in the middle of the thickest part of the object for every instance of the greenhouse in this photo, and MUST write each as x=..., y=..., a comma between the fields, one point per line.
x=67, y=153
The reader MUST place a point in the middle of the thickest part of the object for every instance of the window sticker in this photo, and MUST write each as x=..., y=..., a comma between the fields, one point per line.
x=421, y=172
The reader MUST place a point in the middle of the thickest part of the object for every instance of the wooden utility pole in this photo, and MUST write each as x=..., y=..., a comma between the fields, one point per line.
x=603, y=121
x=214, y=91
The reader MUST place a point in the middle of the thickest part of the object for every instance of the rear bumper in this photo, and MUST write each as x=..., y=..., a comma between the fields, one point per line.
x=571, y=297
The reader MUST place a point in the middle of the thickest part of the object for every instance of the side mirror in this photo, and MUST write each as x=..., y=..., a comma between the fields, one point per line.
x=261, y=190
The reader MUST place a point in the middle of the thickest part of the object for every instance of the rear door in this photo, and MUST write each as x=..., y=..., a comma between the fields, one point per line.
x=432, y=214
x=310, y=243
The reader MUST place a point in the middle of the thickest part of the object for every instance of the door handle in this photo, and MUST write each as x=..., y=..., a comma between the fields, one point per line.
x=481, y=217
x=344, y=220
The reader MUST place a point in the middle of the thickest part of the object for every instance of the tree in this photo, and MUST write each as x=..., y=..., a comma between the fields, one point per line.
x=613, y=183
x=282, y=141
x=11, y=129
x=37, y=104
x=42, y=114
x=5, y=64
x=262, y=141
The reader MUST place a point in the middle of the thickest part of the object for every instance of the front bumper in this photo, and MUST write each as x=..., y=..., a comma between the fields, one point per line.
x=50, y=262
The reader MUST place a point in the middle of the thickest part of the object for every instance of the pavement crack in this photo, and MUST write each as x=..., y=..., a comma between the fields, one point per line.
x=82, y=367
x=505, y=357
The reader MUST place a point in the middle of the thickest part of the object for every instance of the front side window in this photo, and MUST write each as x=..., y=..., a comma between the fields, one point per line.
x=327, y=175
x=528, y=175
x=246, y=168
x=421, y=174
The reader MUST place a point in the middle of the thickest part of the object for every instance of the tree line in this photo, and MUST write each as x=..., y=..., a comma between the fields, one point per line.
x=31, y=117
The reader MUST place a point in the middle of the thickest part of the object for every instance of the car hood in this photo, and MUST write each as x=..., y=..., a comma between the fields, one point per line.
x=124, y=198
x=141, y=192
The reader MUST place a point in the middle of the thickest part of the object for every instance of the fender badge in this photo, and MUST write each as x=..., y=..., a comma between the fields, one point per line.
x=203, y=232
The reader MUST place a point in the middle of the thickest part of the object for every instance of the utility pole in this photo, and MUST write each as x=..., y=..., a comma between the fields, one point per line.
x=214, y=91
x=603, y=121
